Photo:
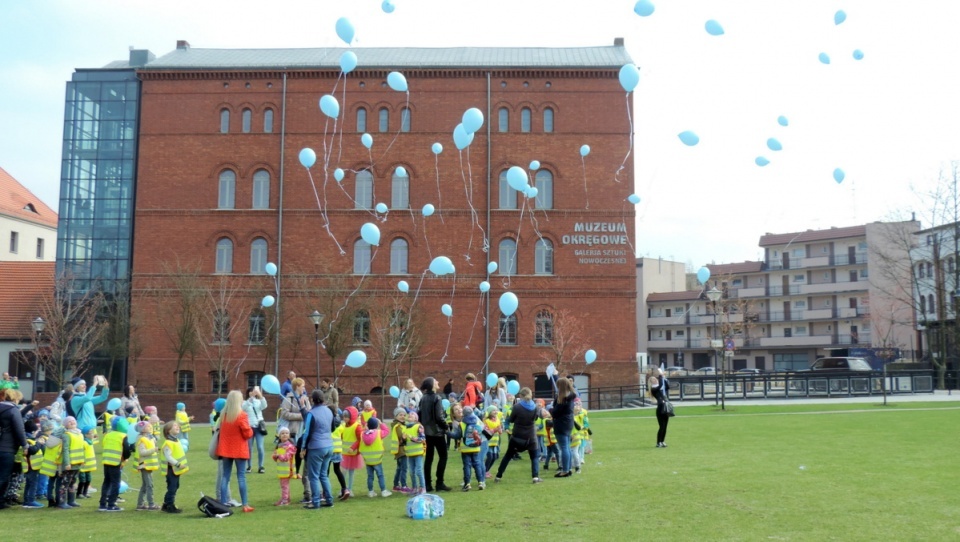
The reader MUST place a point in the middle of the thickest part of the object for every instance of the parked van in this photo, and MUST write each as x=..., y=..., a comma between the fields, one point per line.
x=841, y=364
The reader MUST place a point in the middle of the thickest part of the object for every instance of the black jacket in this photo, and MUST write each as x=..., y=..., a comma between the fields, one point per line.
x=12, y=435
x=432, y=417
x=523, y=426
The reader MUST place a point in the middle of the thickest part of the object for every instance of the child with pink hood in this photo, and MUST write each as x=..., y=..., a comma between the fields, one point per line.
x=370, y=445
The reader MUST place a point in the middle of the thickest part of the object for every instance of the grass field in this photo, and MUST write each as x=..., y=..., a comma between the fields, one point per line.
x=797, y=472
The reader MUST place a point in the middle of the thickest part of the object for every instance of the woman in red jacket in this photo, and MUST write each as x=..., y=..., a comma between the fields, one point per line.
x=235, y=431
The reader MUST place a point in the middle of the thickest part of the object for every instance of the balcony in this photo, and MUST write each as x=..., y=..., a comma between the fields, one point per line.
x=664, y=344
x=751, y=292
x=848, y=312
x=665, y=321
x=805, y=340
x=834, y=287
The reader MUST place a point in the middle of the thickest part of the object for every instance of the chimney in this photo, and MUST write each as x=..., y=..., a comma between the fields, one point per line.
x=183, y=44
x=141, y=57
x=618, y=42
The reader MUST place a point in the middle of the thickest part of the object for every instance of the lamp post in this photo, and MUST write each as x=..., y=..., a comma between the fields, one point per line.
x=38, y=324
x=714, y=295
x=316, y=317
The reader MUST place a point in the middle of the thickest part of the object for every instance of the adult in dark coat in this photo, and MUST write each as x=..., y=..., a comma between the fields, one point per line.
x=562, y=413
x=523, y=419
x=12, y=437
x=434, y=422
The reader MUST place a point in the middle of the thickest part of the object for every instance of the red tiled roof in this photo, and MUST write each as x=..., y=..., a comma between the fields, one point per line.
x=811, y=235
x=17, y=201
x=22, y=287
x=689, y=295
x=717, y=270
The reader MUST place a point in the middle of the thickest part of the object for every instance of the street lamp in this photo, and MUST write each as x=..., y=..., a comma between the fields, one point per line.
x=38, y=324
x=714, y=295
x=316, y=317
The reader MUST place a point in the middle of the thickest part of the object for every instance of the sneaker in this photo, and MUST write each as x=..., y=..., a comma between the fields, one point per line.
x=371, y=493
x=92, y=490
x=578, y=470
x=101, y=509
x=326, y=504
x=260, y=470
x=114, y=508
x=310, y=506
x=385, y=493
x=248, y=508
x=233, y=504
x=306, y=501
x=429, y=489
x=406, y=490
x=465, y=487
x=142, y=508
x=398, y=489
x=497, y=480
x=443, y=487
x=663, y=444
x=346, y=495
x=171, y=509
x=33, y=504
x=481, y=486
x=73, y=505
x=489, y=475
x=537, y=480
x=121, y=500
x=153, y=508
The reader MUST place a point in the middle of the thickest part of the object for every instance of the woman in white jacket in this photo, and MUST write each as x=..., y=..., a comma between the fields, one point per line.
x=254, y=406
x=410, y=392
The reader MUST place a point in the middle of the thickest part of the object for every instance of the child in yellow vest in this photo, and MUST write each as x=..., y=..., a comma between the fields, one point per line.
x=468, y=432
x=414, y=445
x=396, y=433
x=367, y=413
x=32, y=460
x=116, y=450
x=370, y=446
x=493, y=427
x=70, y=462
x=89, y=462
x=352, y=461
x=176, y=461
x=148, y=462
x=50, y=466
x=184, y=420
x=284, y=456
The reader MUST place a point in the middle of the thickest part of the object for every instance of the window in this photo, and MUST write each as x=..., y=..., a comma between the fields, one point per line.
x=268, y=121
x=503, y=116
x=507, y=334
x=224, y=121
x=224, y=256
x=864, y=273
x=398, y=257
x=361, y=327
x=363, y=198
x=221, y=327
x=800, y=330
x=400, y=191
x=525, y=119
x=548, y=120
x=257, y=330
x=929, y=240
x=361, y=120
x=799, y=253
x=679, y=333
x=14, y=242
x=253, y=378
x=258, y=256
x=361, y=257
x=39, y=248
x=923, y=305
x=508, y=196
x=245, y=119
x=931, y=308
x=405, y=119
x=799, y=278
x=737, y=283
x=384, y=119
x=218, y=382
x=930, y=269
x=261, y=189
x=227, y=189
x=920, y=269
x=543, y=257
x=508, y=257
x=184, y=381
x=950, y=264
x=544, y=183
x=544, y=328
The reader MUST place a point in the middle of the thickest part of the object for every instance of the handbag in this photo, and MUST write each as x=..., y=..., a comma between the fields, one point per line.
x=262, y=427
x=667, y=408
x=214, y=443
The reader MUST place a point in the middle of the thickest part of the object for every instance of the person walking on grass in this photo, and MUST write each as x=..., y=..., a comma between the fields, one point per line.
x=523, y=421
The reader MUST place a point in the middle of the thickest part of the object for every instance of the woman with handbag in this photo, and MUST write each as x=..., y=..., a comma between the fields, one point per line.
x=659, y=387
x=232, y=447
x=254, y=407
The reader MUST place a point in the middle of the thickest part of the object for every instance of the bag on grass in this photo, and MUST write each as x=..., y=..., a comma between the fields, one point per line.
x=213, y=508
x=425, y=506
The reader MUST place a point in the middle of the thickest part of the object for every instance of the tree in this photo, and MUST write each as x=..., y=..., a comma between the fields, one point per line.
x=73, y=329
x=223, y=315
x=397, y=335
x=179, y=295
x=562, y=332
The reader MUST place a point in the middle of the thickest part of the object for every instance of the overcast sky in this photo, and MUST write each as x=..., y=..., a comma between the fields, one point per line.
x=889, y=120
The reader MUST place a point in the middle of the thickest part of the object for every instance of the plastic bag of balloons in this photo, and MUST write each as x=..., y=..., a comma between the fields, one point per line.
x=425, y=506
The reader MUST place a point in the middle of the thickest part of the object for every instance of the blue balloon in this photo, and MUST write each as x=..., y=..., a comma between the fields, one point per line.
x=388, y=7
x=445, y=404
x=713, y=28
x=397, y=81
x=345, y=30
x=839, y=175
x=472, y=120
x=356, y=359
x=484, y=286
x=338, y=174
x=394, y=392
x=590, y=356
x=348, y=61
x=531, y=192
x=689, y=138
x=643, y=8
x=330, y=106
x=367, y=140
x=403, y=286
x=517, y=178
x=782, y=121
x=513, y=387
x=774, y=145
x=437, y=148
x=428, y=209
x=267, y=301
x=584, y=150
x=633, y=198
x=839, y=16
x=629, y=77
x=400, y=171
x=270, y=384
x=491, y=268
x=370, y=233
x=381, y=208
x=307, y=157
x=824, y=58
x=113, y=404
x=441, y=265
x=703, y=275
x=508, y=303
x=123, y=487
x=534, y=165
x=857, y=54
x=461, y=137
x=132, y=434
x=447, y=310
x=761, y=161
x=271, y=269
x=492, y=380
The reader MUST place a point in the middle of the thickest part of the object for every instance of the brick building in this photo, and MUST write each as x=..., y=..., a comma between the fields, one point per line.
x=220, y=191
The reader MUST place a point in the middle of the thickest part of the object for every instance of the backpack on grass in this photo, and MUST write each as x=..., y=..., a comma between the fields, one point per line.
x=213, y=508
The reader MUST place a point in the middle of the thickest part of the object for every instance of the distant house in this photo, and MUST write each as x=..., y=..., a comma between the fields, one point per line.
x=27, y=224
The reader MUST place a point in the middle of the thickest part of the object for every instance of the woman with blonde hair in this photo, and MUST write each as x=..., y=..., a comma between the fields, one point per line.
x=232, y=449
x=659, y=388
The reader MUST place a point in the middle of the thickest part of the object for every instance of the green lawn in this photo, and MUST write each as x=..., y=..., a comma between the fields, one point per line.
x=797, y=472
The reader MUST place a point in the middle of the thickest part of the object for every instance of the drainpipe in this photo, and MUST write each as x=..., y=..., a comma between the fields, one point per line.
x=283, y=136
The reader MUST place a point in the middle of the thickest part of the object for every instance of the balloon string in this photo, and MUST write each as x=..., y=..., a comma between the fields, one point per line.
x=323, y=210
x=436, y=166
x=583, y=165
x=426, y=240
x=450, y=319
x=616, y=176
x=475, y=318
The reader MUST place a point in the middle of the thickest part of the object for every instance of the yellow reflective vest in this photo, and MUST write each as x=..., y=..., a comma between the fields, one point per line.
x=113, y=448
x=348, y=437
x=184, y=420
x=176, y=450
x=75, y=449
x=411, y=448
x=151, y=462
x=337, y=436
x=372, y=453
x=52, y=453
x=89, y=458
x=33, y=461
x=464, y=449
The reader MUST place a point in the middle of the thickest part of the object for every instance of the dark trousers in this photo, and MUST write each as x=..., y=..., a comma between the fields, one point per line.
x=438, y=445
x=111, y=486
x=173, y=484
x=662, y=420
x=515, y=448
x=6, y=468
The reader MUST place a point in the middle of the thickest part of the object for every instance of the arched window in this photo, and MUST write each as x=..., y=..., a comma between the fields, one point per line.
x=923, y=305
x=258, y=256
x=257, y=331
x=548, y=120
x=930, y=269
x=224, y=121
x=361, y=257
x=507, y=334
x=398, y=256
x=400, y=191
x=185, y=382
x=361, y=120
x=950, y=265
x=525, y=119
x=503, y=115
x=246, y=118
x=261, y=189
x=361, y=327
x=268, y=121
x=930, y=306
x=508, y=196
x=224, y=256
x=543, y=257
x=227, y=189
x=544, y=184
x=384, y=119
x=508, y=257
x=405, y=119
x=543, y=335
x=363, y=196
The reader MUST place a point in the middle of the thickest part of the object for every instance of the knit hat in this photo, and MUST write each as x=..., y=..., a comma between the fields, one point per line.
x=30, y=426
x=181, y=406
x=398, y=411
x=76, y=380
x=143, y=427
x=47, y=426
x=69, y=419
x=43, y=412
x=219, y=404
x=452, y=397
x=150, y=410
x=373, y=423
x=86, y=429
x=367, y=404
x=467, y=411
x=412, y=417
x=114, y=421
